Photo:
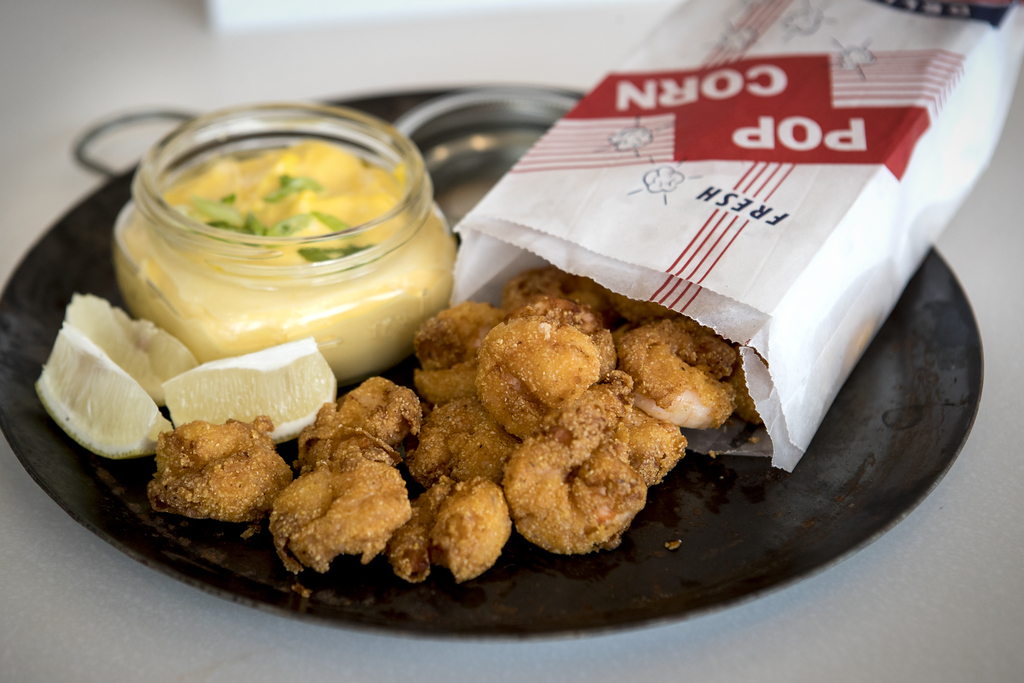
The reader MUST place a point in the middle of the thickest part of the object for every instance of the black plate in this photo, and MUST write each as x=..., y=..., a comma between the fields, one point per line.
x=894, y=430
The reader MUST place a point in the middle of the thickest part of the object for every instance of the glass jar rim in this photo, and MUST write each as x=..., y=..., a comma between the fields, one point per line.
x=320, y=121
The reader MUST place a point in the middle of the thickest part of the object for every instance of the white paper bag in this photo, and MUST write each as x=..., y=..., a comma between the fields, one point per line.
x=775, y=169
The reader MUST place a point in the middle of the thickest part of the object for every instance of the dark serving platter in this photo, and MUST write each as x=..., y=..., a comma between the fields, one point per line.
x=745, y=528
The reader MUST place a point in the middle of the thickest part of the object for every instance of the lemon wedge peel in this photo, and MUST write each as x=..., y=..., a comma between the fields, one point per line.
x=149, y=354
x=95, y=401
x=288, y=383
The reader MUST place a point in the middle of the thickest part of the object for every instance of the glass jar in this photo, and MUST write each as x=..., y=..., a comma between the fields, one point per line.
x=224, y=293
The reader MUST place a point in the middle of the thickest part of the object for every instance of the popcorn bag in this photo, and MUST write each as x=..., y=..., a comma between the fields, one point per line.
x=775, y=169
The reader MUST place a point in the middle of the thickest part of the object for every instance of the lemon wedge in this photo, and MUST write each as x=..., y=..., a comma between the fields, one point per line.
x=143, y=350
x=95, y=401
x=287, y=383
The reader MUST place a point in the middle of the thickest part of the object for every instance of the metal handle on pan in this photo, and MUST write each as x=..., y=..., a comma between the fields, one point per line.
x=82, y=151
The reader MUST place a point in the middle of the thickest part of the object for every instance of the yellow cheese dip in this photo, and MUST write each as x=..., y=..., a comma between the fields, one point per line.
x=329, y=187
x=254, y=245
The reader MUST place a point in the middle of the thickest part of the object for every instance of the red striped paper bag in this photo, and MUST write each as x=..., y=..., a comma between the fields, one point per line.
x=775, y=169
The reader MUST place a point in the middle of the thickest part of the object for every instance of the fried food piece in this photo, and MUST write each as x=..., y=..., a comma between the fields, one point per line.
x=594, y=417
x=551, y=281
x=471, y=528
x=654, y=446
x=344, y=444
x=228, y=472
x=531, y=367
x=659, y=357
x=639, y=311
x=745, y=407
x=374, y=417
x=438, y=387
x=349, y=507
x=408, y=549
x=462, y=441
x=446, y=346
x=382, y=409
x=454, y=335
x=712, y=354
x=462, y=526
x=570, y=488
x=580, y=316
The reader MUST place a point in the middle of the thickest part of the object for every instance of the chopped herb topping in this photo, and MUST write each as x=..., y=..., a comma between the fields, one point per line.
x=332, y=222
x=290, y=226
x=327, y=253
x=253, y=225
x=292, y=185
x=218, y=214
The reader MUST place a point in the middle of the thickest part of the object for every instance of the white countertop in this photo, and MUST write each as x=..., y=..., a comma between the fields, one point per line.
x=938, y=598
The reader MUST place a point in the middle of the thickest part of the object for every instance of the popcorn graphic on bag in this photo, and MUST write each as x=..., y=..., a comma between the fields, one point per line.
x=631, y=138
x=663, y=179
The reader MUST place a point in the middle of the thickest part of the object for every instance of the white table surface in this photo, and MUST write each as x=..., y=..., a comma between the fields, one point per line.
x=938, y=598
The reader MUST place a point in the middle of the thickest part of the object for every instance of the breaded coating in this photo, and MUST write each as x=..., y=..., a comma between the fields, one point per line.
x=372, y=418
x=654, y=446
x=712, y=354
x=228, y=472
x=462, y=526
x=567, y=510
x=438, y=387
x=382, y=409
x=351, y=508
x=570, y=488
x=659, y=356
x=446, y=346
x=639, y=311
x=709, y=351
x=745, y=407
x=454, y=335
x=462, y=441
x=551, y=281
x=471, y=528
x=580, y=316
x=533, y=366
x=594, y=417
x=408, y=549
x=342, y=445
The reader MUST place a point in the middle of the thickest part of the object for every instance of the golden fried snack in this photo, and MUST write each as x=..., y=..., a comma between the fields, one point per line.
x=713, y=354
x=654, y=446
x=372, y=418
x=454, y=335
x=382, y=409
x=569, y=488
x=459, y=525
x=344, y=444
x=595, y=417
x=550, y=281
x=745, y=407
x=471, y=528
x=350, y=507
x=408, y=549
x=446, y=346
x=659, y=357
x=462, y=441
x=639, y=311
x=531, y=367
x=441, y=386
x=228, y=472
x=580, y=316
